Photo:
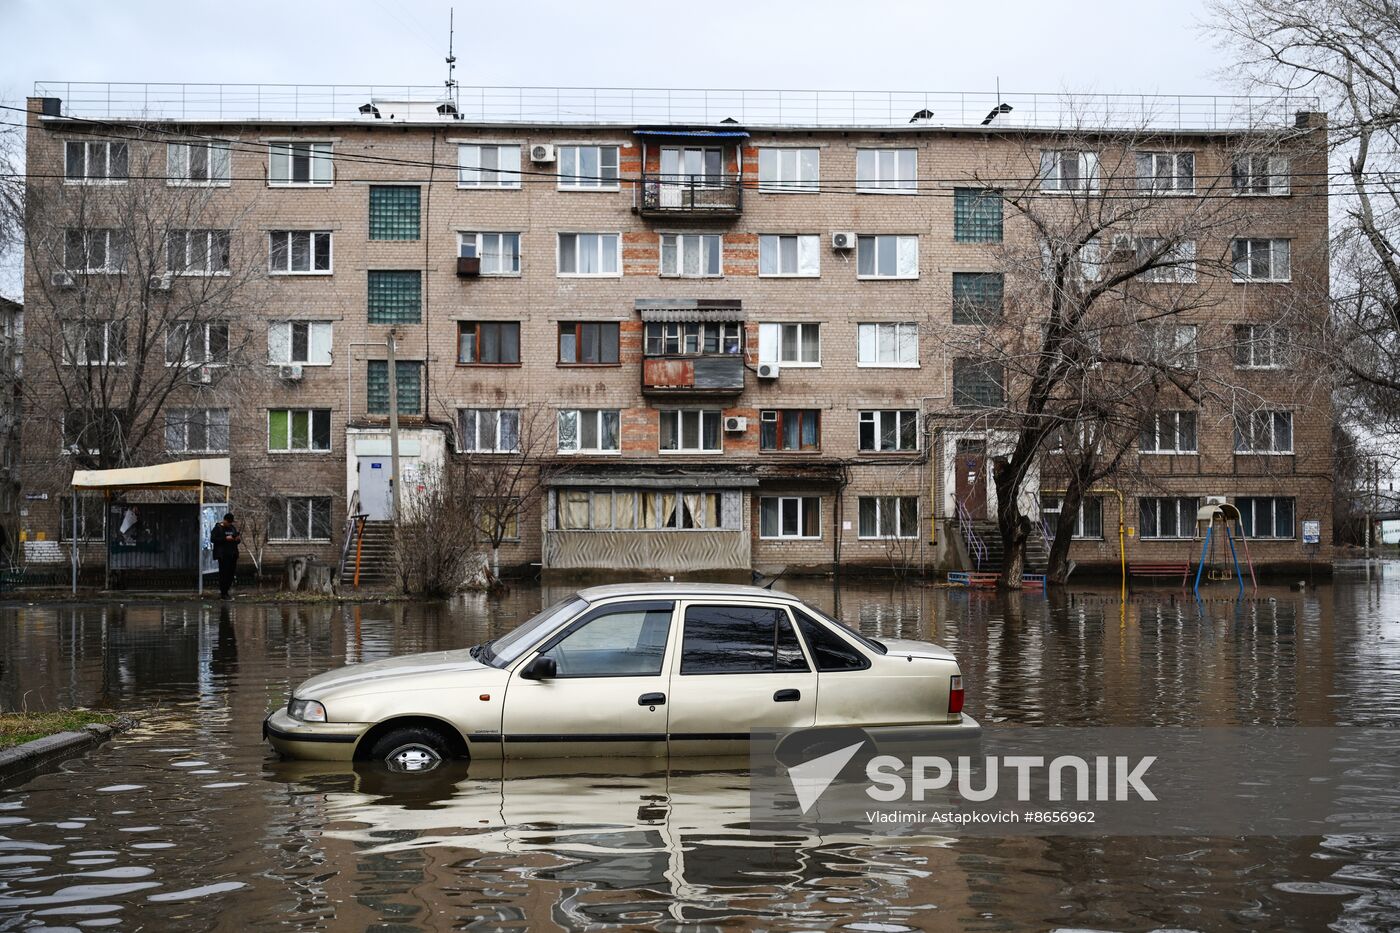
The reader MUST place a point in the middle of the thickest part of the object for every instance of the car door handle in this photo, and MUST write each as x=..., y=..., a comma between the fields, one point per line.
x=787, y=696
x=652, y=699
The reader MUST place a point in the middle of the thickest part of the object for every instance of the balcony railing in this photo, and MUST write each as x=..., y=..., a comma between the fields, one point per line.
x=663, y=195
x=721, y=374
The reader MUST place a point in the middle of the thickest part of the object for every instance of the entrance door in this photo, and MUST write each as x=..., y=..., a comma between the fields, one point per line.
x=970, y=476
x=375, y=491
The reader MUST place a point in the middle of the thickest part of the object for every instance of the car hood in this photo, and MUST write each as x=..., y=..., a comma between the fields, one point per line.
x=909, y=648
x=376, y=673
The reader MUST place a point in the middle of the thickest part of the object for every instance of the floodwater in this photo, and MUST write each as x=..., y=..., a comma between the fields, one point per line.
x=188, y=822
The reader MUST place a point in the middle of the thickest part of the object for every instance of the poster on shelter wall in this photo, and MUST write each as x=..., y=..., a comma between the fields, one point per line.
x=209, y=516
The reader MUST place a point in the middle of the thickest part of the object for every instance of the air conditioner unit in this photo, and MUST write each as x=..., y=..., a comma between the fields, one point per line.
x=1217, y=500
x=733, y=424
x=291, y=372
x=542, y=152
x=62, y=280
x=203, y=375
x=768, y=370
x=161, y=283
x=843, y=239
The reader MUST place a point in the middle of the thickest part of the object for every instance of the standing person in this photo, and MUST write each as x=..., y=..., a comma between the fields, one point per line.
x=224, y=539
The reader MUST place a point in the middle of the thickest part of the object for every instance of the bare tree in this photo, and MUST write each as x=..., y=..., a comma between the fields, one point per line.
x=434, y=548
x=507, y=487
x=11, y=194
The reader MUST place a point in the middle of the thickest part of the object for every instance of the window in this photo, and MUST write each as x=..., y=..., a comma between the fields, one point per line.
x=790, y=344
x=488, y=166
x=1264, y=432
x=1167, y=517
x=1069, y=171
x=393, y=212
x=624, y=509
x=92, y=515
x=395, y=297
x=789, y=255
x=887, y=257
x=88, y=430
x=1260, y=346
x=488, y=430
x=788, y=170
x=690, y=430
x=616, y=641
x=830, y=651
x=676, y=339
x=1260, y=174
x=300, y=164
x=1266, y=516
x=495, y=513
x=588, y=343
x=889, y=516
x=204, y=163
x=196, y=430
x=1169, y=432
x=488, y=343
x=197, y=252
x=1166, y=171
x=739, y=640
x=94, y=251
x=691, y=255
x=1260, y=260
x=94, y=343
x=977, y=297
x=305, y=342
x=692, y=166
x=589, y=430
x=1168, y=262
x=409, y=376
x=202, y=344
x=499, y=252
x=589, y=254
x=790, y=429
x=299, y=518
x=887, y=344
x=94, y=161
x=789, y=517
x=887, y=431
x=978, y=384
x=976, y=215
x=298, y=430
x=1171, y=345
x=1088, y=523
x=886, y=170
x=304, y=252
x=584, y=167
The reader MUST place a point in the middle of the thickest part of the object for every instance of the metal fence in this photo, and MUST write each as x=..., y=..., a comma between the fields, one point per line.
x=654, y=106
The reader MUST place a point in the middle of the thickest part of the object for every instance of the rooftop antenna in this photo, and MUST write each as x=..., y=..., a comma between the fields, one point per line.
x=999, y=109
x=452, y=90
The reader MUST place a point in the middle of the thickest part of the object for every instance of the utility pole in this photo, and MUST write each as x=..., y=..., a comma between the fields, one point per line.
x=394, y=423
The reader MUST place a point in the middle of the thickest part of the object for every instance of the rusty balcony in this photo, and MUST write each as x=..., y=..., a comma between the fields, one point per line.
x=691, y=196
x=720, y=374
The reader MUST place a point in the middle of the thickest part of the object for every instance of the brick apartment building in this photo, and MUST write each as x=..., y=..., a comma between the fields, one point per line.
x=731, y=341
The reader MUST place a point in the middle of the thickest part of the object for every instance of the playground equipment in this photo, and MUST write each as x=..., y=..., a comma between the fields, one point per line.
x=1225, y=515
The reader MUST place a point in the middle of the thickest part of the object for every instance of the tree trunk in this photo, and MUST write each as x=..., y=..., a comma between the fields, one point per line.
x=1058, y=569
x=1013, y=526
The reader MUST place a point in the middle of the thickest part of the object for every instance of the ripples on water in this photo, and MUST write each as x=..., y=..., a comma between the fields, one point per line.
x=188, y=823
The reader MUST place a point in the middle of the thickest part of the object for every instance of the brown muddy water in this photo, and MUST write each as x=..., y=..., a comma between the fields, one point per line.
x=189, y=823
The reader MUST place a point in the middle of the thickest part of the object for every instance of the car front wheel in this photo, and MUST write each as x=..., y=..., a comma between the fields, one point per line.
x=412, y=750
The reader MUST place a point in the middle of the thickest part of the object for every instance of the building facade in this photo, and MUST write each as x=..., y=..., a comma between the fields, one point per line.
x=727, y=346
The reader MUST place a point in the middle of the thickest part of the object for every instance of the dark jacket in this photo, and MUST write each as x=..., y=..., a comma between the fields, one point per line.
x=224, y=540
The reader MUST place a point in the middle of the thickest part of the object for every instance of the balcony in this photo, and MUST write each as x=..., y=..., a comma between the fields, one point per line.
x=720, y=374
x=695, y=197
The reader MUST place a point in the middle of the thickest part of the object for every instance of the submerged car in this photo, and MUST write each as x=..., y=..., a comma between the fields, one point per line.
x=634, y=670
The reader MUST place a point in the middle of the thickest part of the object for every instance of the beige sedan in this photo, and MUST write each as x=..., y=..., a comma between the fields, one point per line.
x=635, y=670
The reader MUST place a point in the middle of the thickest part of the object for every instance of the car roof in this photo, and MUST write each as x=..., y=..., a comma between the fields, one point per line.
x=680, y=590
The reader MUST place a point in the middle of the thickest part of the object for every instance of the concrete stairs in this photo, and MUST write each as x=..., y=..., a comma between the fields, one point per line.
x=1037, y=554
x=377, y=566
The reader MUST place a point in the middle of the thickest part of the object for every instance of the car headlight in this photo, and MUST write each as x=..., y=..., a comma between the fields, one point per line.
x=306, y=710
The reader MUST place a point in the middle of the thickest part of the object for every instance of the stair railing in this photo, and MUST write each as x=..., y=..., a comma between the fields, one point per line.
x=354, y=532
x=976, y=547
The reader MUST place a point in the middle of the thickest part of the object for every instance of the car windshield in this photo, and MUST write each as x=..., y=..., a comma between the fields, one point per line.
x=865, y=640
x=501, y=651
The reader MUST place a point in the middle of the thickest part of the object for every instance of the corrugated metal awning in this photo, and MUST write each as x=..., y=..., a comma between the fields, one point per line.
x=714, y=134
x=690, y=310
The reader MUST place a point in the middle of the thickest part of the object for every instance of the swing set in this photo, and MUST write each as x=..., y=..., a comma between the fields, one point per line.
x=1213, y=566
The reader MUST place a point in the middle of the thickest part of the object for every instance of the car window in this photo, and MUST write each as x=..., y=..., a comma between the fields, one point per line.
x=614, y=641
x=739, y=640
x=518, y=640
x=829, y=650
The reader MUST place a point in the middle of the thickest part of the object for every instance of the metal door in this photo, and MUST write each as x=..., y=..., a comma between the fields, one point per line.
x=375, y=495
x=970, y=477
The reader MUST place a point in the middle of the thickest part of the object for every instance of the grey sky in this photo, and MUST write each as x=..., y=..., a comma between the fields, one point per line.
x=1087, y=45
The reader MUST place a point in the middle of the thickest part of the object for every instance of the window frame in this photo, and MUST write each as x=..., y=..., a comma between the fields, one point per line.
x=1177, y=502
x=803, y=503
x=876, y=418
x=1078, y=532
x=291, y=326
x=701, y=416
x=1155, y=426
x=311, y=418
x=601, y=237
x=899, y=242
x=879, y=184
x=314, y=146
x=580, y=415
x=209, y=429
x=707, y=250
x=87, y=178
x=1150, y=183
x=205, y=330
x=776, y=239
x=478, y=240
x=1250, y=248
x=310, y=501
x=1273, y=501
x=577, y=327
x=477, y=421
x=1275, y=416
x=881, y=503
x=1051, y=175
x=898, y=326
x=638, y=509
x=1250, y=175
x=780, y=418
x=110, y=236
x=1247, y=337
x=190, y=239
x=174, y=180
x=577, y=182
x=774, y=333
x=777, y=183
x=681, y=332
x=512, y=177
x=107, y=343
x=289, y=251
x=476, y=326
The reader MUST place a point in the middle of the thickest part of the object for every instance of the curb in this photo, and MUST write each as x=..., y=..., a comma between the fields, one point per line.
x=23, y=762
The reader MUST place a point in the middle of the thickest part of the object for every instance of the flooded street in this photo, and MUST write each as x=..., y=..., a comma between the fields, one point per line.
x=188, y=822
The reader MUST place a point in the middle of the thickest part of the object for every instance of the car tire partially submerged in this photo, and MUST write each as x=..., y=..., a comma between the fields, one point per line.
x=411, y=750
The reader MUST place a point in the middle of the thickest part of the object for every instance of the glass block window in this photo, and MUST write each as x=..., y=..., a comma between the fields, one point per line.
x=978, y=384
x=395, y=297
x=393, y=212
x=410, y=376
x=976, y=215
x=977, y=297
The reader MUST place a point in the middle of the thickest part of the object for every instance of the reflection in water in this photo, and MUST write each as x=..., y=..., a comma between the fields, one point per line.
x=187, y=822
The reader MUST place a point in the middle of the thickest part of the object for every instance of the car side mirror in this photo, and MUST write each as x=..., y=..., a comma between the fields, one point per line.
x=542, y=668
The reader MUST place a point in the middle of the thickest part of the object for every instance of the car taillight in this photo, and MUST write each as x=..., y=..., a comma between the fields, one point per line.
x=955, y=694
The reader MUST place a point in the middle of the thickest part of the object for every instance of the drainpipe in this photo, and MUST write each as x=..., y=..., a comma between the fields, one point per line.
x=394, y=423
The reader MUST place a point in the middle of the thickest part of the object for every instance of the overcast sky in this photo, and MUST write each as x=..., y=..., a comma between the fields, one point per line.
x=1084, y=45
